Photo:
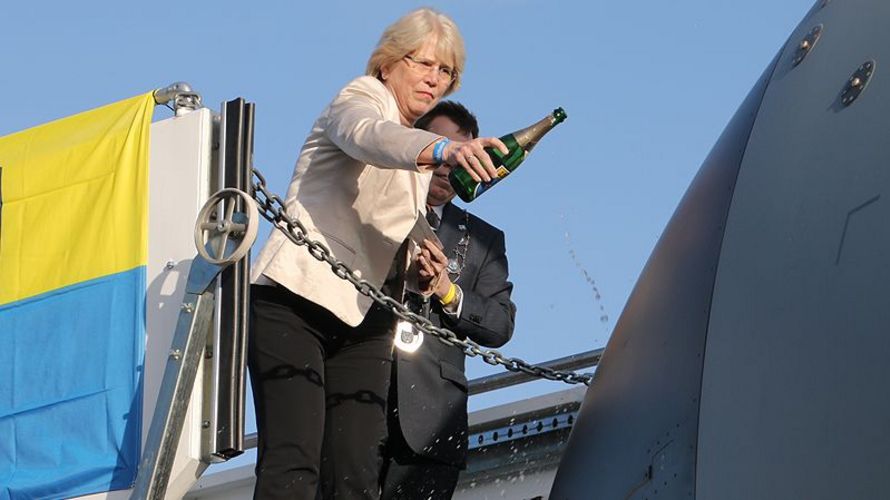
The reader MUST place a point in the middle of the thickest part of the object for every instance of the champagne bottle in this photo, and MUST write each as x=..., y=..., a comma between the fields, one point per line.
x=520, y=144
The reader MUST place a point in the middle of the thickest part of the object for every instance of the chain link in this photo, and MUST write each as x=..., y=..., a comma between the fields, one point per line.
x=271, y=207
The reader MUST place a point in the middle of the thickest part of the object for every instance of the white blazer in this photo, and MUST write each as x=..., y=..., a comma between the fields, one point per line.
x=357, y=189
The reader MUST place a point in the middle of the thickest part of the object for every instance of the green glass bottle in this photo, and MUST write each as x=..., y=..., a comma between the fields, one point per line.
x=520, y=143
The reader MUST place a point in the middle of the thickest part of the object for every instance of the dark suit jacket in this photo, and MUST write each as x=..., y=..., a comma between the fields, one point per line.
x=432, y=389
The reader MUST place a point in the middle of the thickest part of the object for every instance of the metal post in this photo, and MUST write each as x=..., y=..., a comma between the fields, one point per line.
x=223, y=438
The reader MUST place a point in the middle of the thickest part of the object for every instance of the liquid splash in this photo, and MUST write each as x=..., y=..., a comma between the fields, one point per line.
x=597, y=297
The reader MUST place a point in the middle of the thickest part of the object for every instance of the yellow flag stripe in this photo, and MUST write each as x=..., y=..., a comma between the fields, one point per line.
x=75, y=199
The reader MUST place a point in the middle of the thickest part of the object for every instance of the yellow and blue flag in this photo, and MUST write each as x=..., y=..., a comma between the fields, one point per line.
x=73, y=252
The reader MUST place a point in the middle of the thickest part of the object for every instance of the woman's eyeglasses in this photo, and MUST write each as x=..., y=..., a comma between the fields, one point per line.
x=424, y=66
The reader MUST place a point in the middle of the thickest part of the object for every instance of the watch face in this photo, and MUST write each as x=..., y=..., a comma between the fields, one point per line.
x=453, y=266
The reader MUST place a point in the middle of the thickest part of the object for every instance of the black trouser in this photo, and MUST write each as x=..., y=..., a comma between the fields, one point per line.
x=407, y=475
x=319, y=390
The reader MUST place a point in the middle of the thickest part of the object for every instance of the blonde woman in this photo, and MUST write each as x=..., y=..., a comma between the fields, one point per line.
x=319, y=352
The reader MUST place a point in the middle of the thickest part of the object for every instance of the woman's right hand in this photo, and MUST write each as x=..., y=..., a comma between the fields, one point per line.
x=471, y=156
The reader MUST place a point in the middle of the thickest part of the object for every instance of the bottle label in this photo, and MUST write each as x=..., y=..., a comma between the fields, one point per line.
x=485, y=186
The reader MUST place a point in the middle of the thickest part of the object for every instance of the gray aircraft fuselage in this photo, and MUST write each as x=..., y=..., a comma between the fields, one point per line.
x=752, y=357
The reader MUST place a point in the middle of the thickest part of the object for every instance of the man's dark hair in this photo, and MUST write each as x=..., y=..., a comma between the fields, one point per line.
x=460, y=115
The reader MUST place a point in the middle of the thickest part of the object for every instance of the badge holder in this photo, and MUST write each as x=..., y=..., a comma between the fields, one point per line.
x=407, y=338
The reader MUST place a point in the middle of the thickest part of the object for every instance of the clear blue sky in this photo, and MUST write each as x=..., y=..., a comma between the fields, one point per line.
x=648, y=87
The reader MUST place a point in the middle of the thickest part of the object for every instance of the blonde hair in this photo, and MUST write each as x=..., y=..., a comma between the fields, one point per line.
x=410, y=32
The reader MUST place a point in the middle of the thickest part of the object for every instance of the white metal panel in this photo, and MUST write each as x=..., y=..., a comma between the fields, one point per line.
x=180, y=165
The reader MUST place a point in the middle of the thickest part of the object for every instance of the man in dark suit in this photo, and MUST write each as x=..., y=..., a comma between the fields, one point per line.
x=427, y=418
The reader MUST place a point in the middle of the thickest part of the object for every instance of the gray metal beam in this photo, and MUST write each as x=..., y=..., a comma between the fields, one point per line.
x=501, y=380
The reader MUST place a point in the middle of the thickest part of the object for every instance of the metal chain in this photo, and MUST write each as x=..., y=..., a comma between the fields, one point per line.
x=271, y=207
